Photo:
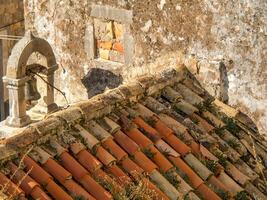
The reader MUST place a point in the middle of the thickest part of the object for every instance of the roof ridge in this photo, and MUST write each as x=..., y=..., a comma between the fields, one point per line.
x=97, y=106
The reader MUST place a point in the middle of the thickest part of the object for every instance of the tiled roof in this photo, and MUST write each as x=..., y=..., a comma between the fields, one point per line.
x=161, y=137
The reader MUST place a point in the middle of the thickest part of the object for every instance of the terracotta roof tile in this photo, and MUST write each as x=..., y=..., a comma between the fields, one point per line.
x=104, y=156
x=27, y=184
x=9, y=188
x=178, y=145
x=159, y=159
x=88, y=160
x=57, y=170
x=138, y=137
x=207, y=193
x=146, y=164
x=119, y=175
x=159, y=136
x=114, y=149
x=131, y=167
x=126, y=143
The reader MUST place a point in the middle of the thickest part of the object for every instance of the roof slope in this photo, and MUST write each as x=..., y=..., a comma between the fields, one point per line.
x=161, y=137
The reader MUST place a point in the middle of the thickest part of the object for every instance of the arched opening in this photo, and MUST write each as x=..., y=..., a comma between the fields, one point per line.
x=18, y=69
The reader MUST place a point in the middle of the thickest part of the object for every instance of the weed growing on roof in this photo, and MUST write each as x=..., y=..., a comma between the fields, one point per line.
x=219, y=131
x=233, y=143
x=149, y=153
x=202, y=107
x=222, y=159
x=172, y=177
x=177, y=110
x=231, y=125
x=151, y=121
x=79, y=197
x=212, y=165
x=241, y=196
x=195, y=121
x=224, y=195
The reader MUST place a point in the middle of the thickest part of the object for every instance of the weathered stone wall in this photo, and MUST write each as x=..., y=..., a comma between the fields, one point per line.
x=222, y=42
x=11, y=23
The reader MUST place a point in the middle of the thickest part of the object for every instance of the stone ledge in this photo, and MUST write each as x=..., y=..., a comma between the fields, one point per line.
x=108, y=12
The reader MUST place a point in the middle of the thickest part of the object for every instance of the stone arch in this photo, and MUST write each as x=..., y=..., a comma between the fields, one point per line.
x=16, y=66
x=16, y=78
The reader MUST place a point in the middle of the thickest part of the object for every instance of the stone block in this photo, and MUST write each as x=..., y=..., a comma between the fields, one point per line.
x=116, y=14
x=89, y=42
x=104, y=54
x=104, y=45
x=116, y=56
x=118, y=30
x=117, y=46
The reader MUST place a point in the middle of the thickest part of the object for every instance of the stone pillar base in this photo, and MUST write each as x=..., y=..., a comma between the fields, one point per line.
x=18, y=122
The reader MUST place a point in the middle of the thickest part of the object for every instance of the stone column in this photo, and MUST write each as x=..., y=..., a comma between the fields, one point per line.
x=17, y=105
x=47, y=103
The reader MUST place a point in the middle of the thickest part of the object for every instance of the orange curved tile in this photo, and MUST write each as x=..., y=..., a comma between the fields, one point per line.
x=146, y=129
x=105, y=157
x=207, y=193
x=10, y=187
x=159, y=159
x=70, y=164
x=125, y=142
x=144, y=162
x=38, y=193
x=88, y=161
x=131, y=167
x=36, y=172
x=154, y=191
x=114, y=149
x=56, y=170
x=119, y=175
x=194, y=179
x=29, y=186
x=57, y=192
x=94, y=188
x=202, y=123
x=177, y=145
x=76, y=190
x=43, y=178
x=138, y=137
x=162, y=128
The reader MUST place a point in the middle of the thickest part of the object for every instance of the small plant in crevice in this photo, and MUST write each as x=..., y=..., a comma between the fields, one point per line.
x=149, y=153
x=177, y=110
x=242, y=196
x=231, y=125
x=202, y=107
x=151, y=121
x=195, y=121
x=79, y=197
x=233, y=143
x=172, y=177
x=149, y=135
x=212, y=165
x=222, y=159
x=219, y=131
x=223, y=194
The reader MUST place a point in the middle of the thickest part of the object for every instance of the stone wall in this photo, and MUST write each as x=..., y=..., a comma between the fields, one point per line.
x=222, y=42
x=11, y=23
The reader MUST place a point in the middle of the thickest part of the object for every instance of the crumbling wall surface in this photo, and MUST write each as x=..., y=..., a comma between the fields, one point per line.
x=210, y=36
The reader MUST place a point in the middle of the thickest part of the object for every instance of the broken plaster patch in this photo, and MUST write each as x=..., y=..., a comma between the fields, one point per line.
x=161, y=4
x=147, y=26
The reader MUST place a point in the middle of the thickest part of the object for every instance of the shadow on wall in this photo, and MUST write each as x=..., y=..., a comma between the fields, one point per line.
x=97, y=80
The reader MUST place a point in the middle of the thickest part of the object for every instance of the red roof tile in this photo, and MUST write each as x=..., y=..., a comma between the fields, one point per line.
x=176, y=139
